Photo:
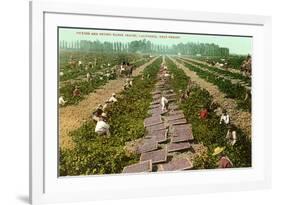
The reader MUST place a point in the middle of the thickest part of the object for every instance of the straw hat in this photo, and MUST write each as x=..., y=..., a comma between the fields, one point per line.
x=218, y=150
x=103, y=114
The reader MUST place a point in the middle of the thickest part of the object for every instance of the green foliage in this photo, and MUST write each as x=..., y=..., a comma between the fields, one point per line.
x=98, y=79
x=181, y=79
x=226, y=73
x=95, y=154
x=233, y=61
x=234, y=91
x=205, y=161
x=85, y=88
x=211, y=133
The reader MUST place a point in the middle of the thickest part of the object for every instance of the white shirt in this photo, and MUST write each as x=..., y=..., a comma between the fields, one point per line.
x=112, y=99
x=61, y=101
x=104, y=106
x=231, y=136
x=101, y=126
x=225, y=119
x=164, y=101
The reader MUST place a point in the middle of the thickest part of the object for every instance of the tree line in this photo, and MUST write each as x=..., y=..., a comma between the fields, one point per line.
x=146, y=47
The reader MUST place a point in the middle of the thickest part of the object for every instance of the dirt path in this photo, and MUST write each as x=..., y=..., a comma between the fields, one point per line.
x=72, y=117
x=239, y=118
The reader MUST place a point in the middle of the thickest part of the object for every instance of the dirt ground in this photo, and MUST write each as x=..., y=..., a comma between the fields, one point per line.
x=239, y=118
x=72, y=117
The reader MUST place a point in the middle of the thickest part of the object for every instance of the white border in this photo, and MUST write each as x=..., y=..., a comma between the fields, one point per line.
x=46, y=187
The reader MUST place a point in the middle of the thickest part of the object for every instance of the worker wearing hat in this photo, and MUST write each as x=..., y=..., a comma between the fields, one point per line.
x=113, y=98
x=224, y=161
x=97, y=113
x=102, y=127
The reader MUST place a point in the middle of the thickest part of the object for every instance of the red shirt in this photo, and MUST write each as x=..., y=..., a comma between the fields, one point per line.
x=203, y=114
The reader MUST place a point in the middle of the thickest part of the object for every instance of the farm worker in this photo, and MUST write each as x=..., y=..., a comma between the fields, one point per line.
x=76, y=92
x=88, y=77
x=182, y=96
x=218, y=111
x=231, y=136
x=187, y=93
x=225, y=118
x=164, y=103
x=105, y=106
x=123, y=68
x=126, y=86
x=107, y=74
x=80, y=63
x=113, y=98
x=167, y=75
x=62, y=101
x=61, y=73
x=224, y=161
x=102, y=128
x=203, y=114
x=131, y=83
x=97, y=113
x=130, y=69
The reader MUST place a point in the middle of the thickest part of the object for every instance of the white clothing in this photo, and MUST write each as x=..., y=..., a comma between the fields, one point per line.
x=61, y=100
x=102, y=127
x=104, y=106
x=112, y=99
x=225, y=119
x=163, y=102
x=232, y=137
